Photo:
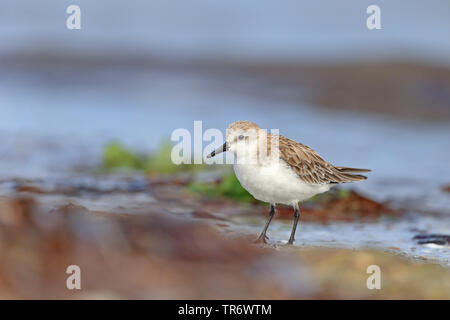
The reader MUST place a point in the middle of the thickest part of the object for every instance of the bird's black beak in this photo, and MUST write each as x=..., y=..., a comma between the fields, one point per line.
x=221, y=149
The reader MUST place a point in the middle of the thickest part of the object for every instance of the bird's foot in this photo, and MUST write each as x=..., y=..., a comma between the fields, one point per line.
x=290, y=242
x=262, y=239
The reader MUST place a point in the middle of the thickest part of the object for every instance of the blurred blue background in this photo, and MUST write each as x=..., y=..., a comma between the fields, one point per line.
x=137, y=70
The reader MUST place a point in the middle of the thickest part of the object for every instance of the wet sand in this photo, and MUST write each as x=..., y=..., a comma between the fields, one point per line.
x=136, y=237
x=183, y=255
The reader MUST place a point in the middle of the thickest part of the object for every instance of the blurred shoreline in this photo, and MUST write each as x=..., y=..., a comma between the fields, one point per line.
x=402, y=90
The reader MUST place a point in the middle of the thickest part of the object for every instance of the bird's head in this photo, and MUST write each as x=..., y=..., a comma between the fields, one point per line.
x=241, y=136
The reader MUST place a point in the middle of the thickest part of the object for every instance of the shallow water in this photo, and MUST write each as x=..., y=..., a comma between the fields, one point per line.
x=125, y=194
x=394, y=236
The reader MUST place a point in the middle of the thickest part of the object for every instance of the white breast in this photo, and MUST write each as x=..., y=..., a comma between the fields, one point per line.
x=276, y=183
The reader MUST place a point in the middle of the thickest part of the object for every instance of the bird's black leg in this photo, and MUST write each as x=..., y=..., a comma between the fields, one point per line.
x=263, y=237
x=294, y=227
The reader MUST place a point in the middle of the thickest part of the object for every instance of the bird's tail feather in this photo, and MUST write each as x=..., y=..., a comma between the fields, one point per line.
x=351, y=170
x=348, y=177
x=348, y=174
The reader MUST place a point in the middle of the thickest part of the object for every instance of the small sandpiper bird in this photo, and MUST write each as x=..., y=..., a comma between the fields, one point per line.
x=278, y=170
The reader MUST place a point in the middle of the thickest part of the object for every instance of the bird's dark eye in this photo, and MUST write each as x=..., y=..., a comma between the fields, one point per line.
x=241, y=137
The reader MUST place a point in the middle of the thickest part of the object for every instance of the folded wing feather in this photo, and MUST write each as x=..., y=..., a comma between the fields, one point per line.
x=311, y=168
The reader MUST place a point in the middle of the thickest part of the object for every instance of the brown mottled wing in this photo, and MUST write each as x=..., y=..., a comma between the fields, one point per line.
x=310, y=167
